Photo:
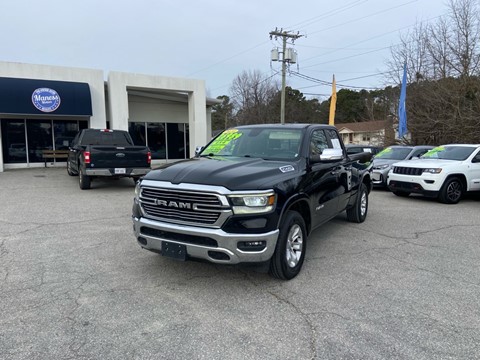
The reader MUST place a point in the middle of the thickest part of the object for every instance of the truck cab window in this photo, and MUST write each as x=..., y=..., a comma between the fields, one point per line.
x=318, y=142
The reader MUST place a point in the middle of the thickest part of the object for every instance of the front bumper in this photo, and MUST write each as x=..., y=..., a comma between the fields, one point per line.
x=426, y=184
x=214, y=245
x=117, y=172
x=379, y=177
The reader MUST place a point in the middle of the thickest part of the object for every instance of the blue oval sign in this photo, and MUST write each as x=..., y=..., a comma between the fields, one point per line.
x=45, y=99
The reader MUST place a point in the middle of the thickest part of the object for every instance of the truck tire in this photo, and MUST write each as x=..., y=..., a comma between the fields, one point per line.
x=70, y=171
x=84, y=181
x=451, y=191
x=358, y=212
x=289, y=254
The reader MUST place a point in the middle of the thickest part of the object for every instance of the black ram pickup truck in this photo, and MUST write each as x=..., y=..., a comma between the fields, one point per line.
x=252, y=195
x=106, y=153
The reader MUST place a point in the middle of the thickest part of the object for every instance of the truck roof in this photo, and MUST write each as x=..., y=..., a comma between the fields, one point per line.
x=286, y=126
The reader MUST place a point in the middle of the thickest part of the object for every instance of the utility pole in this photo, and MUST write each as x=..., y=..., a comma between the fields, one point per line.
x=287, y=57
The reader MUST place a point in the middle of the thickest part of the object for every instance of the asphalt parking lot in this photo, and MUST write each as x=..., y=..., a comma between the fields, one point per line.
x=405, y=284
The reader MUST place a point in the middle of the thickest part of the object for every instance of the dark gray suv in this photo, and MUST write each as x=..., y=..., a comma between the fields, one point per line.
x=383, y=161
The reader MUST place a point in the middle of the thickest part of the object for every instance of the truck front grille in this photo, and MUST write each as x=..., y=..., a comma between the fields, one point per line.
x=186, y=207
x=407, y=171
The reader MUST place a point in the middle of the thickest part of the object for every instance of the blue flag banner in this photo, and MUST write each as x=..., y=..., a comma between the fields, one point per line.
x=402, y=111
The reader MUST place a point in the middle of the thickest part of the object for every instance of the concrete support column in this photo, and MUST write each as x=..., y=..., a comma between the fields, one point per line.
x=197, y=119
x=118, y=101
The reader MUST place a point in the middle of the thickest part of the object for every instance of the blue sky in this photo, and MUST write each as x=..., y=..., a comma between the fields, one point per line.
x=214, y=40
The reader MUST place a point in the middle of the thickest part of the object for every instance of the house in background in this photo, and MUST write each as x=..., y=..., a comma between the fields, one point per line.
x=379, y=133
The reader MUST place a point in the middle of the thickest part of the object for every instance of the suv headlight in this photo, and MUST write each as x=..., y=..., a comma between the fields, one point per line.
x=382, y=167
x=253, y=203
x=433, y=170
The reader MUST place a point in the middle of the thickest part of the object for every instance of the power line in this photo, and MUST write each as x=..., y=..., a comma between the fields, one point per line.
x=323, y=16
x=364, y=17
x=323, y=82
x=366, y=40
x=329, y=13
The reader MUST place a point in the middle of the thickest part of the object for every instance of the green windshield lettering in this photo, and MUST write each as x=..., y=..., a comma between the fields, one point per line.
x=434, y=151
x=222, y=141
x=384, y=152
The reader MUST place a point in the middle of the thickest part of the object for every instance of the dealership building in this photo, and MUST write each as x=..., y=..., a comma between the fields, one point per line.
x=43, y=107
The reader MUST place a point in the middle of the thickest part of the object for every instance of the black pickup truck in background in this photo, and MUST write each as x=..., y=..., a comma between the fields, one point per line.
x=252, y=195
x=106, y=153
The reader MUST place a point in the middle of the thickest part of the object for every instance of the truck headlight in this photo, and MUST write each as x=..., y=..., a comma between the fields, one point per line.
x=433, y=170
x=252, y=203
x=137, y=189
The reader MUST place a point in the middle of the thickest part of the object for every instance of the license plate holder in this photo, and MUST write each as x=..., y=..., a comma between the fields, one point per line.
x=174, y=251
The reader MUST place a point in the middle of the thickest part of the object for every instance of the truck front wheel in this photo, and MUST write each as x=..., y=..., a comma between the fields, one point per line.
x=291, y=246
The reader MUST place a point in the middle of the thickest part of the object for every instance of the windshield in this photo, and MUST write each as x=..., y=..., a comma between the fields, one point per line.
x=266, y=143
x=98, y=137
x=449, y=153
x=393, y=153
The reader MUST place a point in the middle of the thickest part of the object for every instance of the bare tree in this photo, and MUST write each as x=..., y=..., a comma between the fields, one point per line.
x=413, y=51
x=438, y=44
x=443, y=59
x=465, y=39
x=251, y=93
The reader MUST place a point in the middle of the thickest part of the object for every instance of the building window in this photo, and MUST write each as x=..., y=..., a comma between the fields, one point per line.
x=165, y=140
x=156, y=140
x=25, y=139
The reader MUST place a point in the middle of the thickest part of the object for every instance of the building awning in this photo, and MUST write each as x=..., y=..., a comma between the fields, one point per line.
x=44, y=97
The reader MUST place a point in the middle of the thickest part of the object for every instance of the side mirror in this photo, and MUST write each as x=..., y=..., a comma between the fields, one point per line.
x=198, y=150
x=331, y=155
x=328, y=155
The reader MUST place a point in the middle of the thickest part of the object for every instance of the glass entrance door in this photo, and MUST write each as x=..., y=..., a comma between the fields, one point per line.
x=14, y=142
x=39, y=137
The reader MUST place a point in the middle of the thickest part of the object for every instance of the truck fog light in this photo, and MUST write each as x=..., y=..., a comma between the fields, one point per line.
x=257, y=245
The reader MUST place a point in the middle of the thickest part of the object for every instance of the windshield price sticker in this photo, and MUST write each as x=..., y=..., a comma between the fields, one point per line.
x=434, y=151
x=383, y=152
x=222, y=140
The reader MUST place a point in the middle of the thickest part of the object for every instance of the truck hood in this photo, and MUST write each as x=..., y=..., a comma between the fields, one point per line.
x=234, y=173
x=426, y=163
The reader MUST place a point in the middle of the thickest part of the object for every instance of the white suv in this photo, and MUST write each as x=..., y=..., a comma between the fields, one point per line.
x=445, y=172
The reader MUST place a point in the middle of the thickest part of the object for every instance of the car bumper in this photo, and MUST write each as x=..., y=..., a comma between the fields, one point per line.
x=379, y=178
x=117, y=172
x=214, y=245
x=427, y=184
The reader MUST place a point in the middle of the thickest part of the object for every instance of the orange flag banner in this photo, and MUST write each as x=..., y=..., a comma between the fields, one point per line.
x=333, y=103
